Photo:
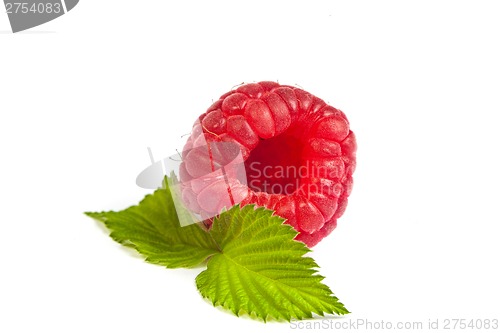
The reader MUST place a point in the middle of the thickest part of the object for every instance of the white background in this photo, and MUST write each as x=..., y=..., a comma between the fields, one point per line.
x=82, y=97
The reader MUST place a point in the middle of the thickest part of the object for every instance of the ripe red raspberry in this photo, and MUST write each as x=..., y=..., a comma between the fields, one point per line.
x=299, y=155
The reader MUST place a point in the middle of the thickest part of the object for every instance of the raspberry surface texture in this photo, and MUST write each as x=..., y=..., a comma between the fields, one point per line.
x=298, y=155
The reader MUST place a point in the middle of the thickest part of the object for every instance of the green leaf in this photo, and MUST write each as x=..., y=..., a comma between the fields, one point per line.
x=261, y=270
x=254, y=264
x=152, y=228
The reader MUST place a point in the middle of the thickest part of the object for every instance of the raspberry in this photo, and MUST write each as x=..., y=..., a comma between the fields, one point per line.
x=298, y=153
